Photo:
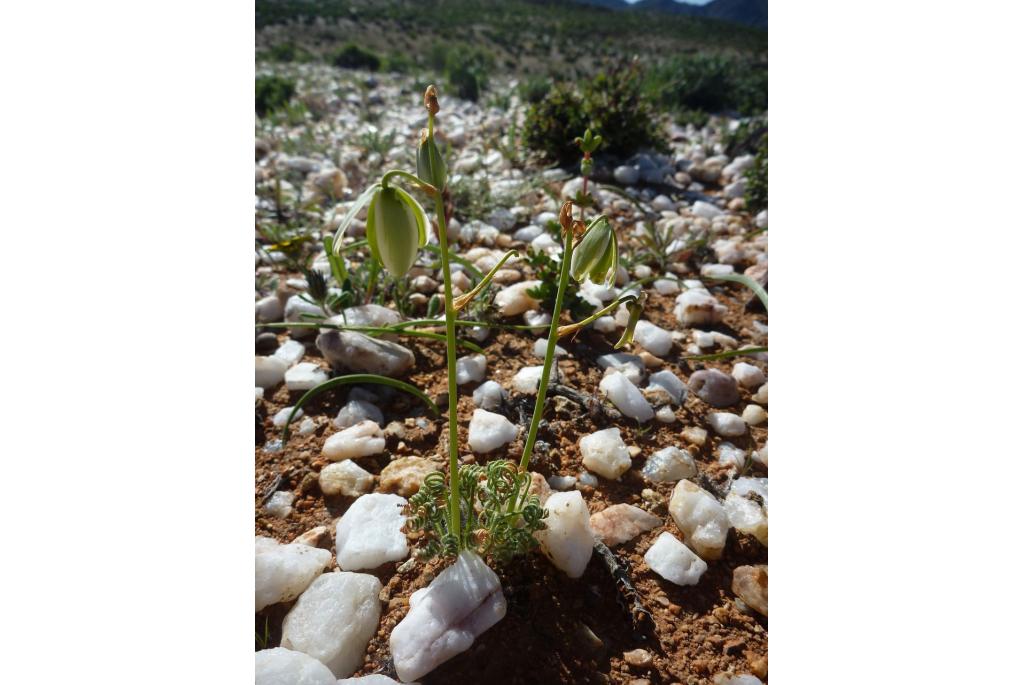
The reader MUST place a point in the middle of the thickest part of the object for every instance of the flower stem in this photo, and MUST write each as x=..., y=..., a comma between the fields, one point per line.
x=549, y=354
x=455, y=523
x=412, y=178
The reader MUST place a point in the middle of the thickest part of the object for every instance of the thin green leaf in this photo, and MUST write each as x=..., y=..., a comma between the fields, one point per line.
x=761, y=293
x=349, y=380
x=726, y=354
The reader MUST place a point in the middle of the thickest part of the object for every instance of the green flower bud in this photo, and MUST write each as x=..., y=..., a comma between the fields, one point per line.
x=396, y=228
x=430, y=166
x=586, y=166
x=597, y=255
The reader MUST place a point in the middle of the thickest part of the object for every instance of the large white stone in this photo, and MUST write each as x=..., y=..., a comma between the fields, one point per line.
x=668, y=465
x=370, y=532
x=445, y=617
x=705, y=210
x=513, y=299
x=345, y=478
x=621, y=523
x=604, y=453
x=290, y=352
x=568, y=540
x=527, y=379
x=470, y=369
x=489, y=431
x=629, y=365
x=304, y=376
x=701, y=519
x=284, y=571
x=626, y=397
x=356, y=410
x=747, y=507
x=361, y=440
x=359, y=353
x=652, y=338
x=727, y=424
x=754, y=415
x=280, y=666
x=269, y=371
x=674, y=561
x=334, y=619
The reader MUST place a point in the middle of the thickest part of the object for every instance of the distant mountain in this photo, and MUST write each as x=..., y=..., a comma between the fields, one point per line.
x=748, y=12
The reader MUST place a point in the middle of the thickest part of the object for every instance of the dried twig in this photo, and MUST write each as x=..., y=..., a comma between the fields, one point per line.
x=627, y=597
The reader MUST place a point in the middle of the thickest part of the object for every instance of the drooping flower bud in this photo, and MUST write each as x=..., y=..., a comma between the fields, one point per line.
x=430, y=100
x=396, y=228
x=597, y=255
x=430, y=165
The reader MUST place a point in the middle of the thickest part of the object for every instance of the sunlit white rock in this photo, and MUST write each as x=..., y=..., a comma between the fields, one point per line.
x=666, y=286
x=513, y=299
x=304, y=376
x=280, y=504
x=748, y=375
x=470, y=369
x=269, y=371
x=488, y=395
x=527, y=379
x=621, y=523
x=705, y=210
x=281, y=417
x=674, y=561
x=361, y=440
x=568, y=540
x=727, y=424
x=605, y=324
x=669, y=464
x=334, y=619
x=537, y=319
x=561, y=482
x=489, y=431
x=372, y=679
x=731, y=455
x=654, y=339
x=290, y=352
x=698, y=306
x=700, y=518
x=761, y=396
x=284, y=571
x=626, y=397
x=356, y=410
x=630, y=365
x=540, y=349
x=754, y=415
x=294, y=312
x=370, y=532
x=345, y=478
x=747, y=507
x=445, y=617
x=671, y=383
x=280, y=666
x=605, y=453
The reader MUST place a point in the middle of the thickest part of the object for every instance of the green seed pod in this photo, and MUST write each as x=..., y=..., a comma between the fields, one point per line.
x=430, y=166
x=396, y=227
x=597, y=255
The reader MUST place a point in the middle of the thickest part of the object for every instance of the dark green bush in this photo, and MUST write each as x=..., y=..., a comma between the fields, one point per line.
x=351, y=56
x=534, y=88
x=272, y=93
x=465, y=68
x=610, y=104
x=397, y=63
x=288, y=52
x=757, y=179
x=710, y=84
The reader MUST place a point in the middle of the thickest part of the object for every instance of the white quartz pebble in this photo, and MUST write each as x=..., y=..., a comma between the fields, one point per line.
x=370, y=532
x=755, y=415
x=727, y=424
x=698, y=306
x=361, y=440
x=747, y=507
x=540, y=349
x=761, y=396
x=561, y=482
x=488, y=395
x=282, y=416
x=269, y=371
x=470, y=369
x=334, y=619
x=604, y=453
x=513, y=299
x=372, y=679
x=284, y=571
x=290, y=352
x=304, y=376
x=356, y=410
x=626, y=397
x=700, y=518
x=527, y=379
x=445, y=618
x=674, y=561
x=489, y=431
x=280, y=504
x=669, y=464
x=654, y=339
x=345, y=478
x=748, y=375
x=630, y=365
x=280, y=666
x=671, y=383
x=568, y=539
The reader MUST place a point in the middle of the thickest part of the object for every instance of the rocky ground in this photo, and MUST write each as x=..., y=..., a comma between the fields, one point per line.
x=665, y=442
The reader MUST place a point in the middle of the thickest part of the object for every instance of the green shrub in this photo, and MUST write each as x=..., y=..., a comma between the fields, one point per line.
x=397, y=63
x=534, y=89
x=757, y=179
x=611, y=105
x=709, y=84
x=287, y=52
x=465, y=68
x=272, y=93
x=351, y=56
